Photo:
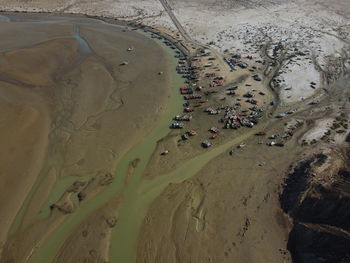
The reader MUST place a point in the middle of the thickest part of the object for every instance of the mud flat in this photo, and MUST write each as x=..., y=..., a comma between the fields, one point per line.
x=70, y=112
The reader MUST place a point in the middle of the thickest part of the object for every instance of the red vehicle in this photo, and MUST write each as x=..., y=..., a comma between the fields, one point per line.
x=186, y=90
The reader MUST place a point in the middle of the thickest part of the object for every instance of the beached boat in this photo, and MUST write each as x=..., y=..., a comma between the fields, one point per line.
x=206, y=144
x=177, y=125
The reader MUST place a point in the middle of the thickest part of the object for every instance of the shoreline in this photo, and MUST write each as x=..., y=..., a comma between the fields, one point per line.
x=108, y=20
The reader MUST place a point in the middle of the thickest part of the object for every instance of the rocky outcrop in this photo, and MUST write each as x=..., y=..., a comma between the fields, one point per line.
x=316, y=196
x=310, y=244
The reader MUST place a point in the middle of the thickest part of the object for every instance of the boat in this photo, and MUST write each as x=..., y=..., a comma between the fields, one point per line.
x=241, y=145
x=256, y=78
x=185, y=136
x=192, y=133
x=165, y=152
x=188, y=109
x=214, y=130
x=177, y=125
x=183, y=118
x=192, y=96
x=214, y=136
x=248, y=95
x=281, y=115
x=206, y=144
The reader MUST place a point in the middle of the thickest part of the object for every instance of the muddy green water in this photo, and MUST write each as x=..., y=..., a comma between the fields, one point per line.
x=139, y=196
x=143, y=151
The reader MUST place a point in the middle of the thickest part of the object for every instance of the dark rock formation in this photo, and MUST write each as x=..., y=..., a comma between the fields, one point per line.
x=320, y=209
x=310, y=244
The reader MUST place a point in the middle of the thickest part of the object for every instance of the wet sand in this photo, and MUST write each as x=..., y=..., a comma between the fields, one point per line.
x=24, y=128
x=70, y=112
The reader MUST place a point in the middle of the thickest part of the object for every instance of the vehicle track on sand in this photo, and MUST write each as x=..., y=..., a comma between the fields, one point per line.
x=224, y=67
x=176, y=22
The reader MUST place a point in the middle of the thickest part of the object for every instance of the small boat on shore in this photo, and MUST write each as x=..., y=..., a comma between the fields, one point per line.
x=164, y=152
x=206, y=144
x=177, y=125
